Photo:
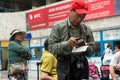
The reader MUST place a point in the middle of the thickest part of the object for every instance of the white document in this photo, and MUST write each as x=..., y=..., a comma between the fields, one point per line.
x=79, y=49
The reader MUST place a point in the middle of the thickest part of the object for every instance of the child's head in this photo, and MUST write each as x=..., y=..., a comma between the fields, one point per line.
x=46, y=44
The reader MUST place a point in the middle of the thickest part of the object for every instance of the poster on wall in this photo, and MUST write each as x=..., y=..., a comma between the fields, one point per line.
x=47, y=16
x=96, y=36
x=111, y=34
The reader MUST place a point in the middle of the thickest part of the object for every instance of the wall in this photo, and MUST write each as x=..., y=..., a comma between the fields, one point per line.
x=10, y=21
x=104, y=23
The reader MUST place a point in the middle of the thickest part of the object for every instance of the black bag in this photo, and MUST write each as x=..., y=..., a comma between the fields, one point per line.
x=80, y=66
x=72, y=68
x=117, y=72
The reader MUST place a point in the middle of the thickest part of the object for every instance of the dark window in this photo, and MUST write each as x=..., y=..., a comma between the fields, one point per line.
x=22, y=5
x=58, y=0
x=37, y=3
x=1, y=6
x=35, y=52
x=9, y=5
x=15, y=5
x=25, y=5
x=97, y=49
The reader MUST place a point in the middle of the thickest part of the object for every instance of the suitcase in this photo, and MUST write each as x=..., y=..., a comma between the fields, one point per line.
x=105, y=72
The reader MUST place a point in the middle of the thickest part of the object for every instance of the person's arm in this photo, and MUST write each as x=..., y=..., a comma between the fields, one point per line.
x=90, y=42
x=23, y=51
x=17, y=47
x=45, y=76
x=56, y=45
x=113, y=64
x=112, y=72
x=58, y=40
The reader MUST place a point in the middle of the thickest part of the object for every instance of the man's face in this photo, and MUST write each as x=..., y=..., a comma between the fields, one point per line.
x=75, y=18
x=116, y=49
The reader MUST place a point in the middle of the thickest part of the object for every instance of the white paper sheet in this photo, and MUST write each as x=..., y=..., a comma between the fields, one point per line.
x=79, y=49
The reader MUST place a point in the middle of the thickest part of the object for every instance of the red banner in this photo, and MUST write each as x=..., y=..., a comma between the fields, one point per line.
x=46, y=17
x=57, y=13
x=36, y=19
x=100, y=9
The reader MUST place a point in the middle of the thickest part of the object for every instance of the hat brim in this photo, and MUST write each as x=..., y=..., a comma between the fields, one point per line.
x=24, y=34
x=81, y=11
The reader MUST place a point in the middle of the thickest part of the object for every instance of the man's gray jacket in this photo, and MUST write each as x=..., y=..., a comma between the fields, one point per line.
x=60, y=34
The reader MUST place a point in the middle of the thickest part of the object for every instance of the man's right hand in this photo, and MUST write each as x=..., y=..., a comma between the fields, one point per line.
x=73, y=41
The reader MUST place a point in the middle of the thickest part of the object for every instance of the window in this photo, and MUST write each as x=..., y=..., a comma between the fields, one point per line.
x=9, y=6
x=1, y=6
x=97, y=49
x=15, y=5
x=37, y=3
x=25, y=5
x=35, y=52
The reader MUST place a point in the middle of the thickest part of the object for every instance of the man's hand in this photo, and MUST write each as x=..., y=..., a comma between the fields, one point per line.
x=73, y=41
x=45, y=76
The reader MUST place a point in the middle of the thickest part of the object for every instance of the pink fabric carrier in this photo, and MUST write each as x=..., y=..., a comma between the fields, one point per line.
x=93, y=71
x=105, y=72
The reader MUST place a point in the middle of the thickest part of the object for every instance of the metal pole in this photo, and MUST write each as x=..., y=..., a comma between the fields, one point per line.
x=38, y=63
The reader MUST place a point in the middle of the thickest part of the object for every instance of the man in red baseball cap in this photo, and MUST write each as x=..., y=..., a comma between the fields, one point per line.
x=78, y=12
x=80, y=6
x=65, y=36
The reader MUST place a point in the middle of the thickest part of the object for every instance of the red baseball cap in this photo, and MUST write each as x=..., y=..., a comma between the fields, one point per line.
x=80, y=6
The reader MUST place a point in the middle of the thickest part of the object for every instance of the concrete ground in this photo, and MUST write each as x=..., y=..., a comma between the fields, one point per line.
x=32, y=75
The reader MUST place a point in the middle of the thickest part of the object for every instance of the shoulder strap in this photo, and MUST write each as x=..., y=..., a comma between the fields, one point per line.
x=84, y=30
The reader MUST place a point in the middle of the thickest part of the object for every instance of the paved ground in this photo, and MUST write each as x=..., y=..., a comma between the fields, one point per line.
x=32, y=75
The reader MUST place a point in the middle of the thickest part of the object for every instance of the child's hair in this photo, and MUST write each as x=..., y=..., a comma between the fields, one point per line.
x=108, y=45
x=46, y=44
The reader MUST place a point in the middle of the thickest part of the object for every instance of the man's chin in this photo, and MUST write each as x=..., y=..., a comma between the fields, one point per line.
x=77, y=24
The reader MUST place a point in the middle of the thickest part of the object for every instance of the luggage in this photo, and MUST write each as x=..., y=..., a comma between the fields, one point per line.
x=93, y=71
x=105, y=72
x=38, y=64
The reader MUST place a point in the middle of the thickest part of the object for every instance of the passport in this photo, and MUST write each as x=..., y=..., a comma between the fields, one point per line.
x=81, y=42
